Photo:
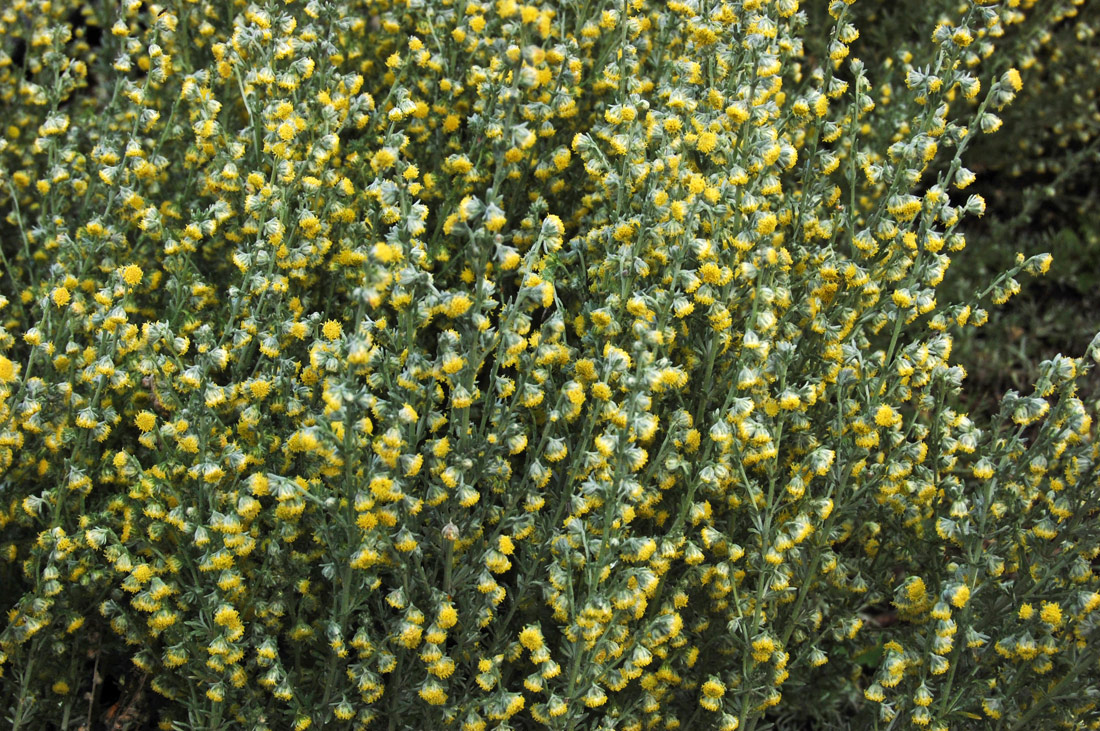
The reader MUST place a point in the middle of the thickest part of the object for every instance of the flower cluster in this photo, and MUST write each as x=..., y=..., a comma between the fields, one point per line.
x=1037, y=177
x=504, y=364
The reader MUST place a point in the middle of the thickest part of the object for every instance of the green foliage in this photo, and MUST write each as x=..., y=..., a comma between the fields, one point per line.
x=564, y=365
x=1038, y=179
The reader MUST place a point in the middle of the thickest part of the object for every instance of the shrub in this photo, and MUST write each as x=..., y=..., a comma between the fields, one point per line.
x=567, y=365
x=1038, y=182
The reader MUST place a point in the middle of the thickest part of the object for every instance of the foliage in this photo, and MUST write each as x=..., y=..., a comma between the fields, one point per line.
x=1038, y=179
x=564, y=365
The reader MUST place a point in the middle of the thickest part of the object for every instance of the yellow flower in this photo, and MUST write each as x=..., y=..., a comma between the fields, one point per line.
x=331, y=329
x=763, y=648
x=789, y=400
x=713, y=688
x=7, y=370
x=595, y=697
x=531, y=638
x=1051, y=613
x=258, y=484
x=410, y=635
x=131, y=274
x=766, y=224
x=453, y=364
x=383, y=159
x=226, y=616
x=497, y=562
x=448, y=616
x=433, y=694
x=60, y=296
x=983, y=470
x=557, y=706
x=458, y=305
x=442, y=668
x=887, y=416
x=145, y=421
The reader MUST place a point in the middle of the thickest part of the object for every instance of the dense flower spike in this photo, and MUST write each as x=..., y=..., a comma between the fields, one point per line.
x=555, y=364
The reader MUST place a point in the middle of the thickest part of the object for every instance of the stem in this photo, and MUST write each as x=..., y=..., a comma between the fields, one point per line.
x=1046, y=700
x=22, y=706
x=22, y=228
